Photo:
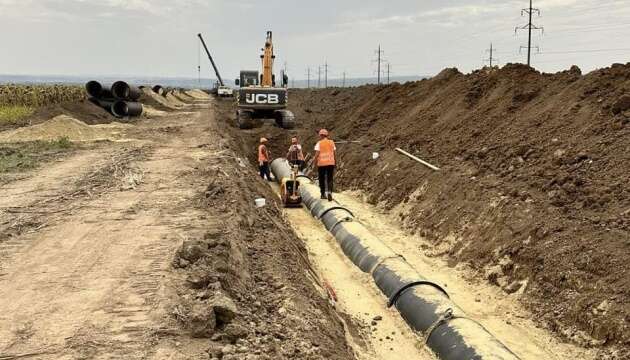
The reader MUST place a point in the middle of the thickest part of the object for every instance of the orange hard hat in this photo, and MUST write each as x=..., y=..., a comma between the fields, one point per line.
x=323, y=132
x=263, y=140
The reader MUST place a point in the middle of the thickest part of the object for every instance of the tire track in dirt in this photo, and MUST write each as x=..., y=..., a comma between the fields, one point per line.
x=94, y=283
x=50, y=194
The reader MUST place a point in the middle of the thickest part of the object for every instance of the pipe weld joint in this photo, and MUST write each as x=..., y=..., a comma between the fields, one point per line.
x=443, y=319
x=347, y=219
x=381, y=261
x=399, y=292
x=320, y=216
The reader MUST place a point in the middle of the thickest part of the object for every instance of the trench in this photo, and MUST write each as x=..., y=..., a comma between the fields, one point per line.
x=359, y=297
x=382, y=333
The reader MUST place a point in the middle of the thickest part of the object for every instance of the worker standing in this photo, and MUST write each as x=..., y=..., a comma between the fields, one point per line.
x=263, y=159
x=295, y=155
x=325, y=160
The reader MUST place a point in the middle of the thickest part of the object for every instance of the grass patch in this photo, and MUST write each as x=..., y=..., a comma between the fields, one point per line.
x=20, y=157
x=14, y=114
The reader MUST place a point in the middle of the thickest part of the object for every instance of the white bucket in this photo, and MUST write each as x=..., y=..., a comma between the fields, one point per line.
x=375, y=156
x=260, y=202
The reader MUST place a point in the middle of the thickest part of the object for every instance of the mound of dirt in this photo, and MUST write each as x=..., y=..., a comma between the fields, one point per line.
x=151, y=112
x=157, y=101
x=172, y=99
x=533, y=190
x=197, y=94
x=81, y=109
x=64, y=126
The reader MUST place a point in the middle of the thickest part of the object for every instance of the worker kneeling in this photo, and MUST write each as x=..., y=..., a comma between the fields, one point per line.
x=290, y=189
x=325, y=160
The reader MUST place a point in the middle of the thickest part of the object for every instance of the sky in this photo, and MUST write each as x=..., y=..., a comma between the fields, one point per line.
x=418, y=37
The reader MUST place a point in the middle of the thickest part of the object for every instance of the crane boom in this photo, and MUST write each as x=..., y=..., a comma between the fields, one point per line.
x=216, y=71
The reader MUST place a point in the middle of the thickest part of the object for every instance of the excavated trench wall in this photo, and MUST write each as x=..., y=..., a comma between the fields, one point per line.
x=532, y=192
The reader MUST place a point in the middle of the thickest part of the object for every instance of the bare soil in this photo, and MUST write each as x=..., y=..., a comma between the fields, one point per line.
x=533, y=190
x=152, y=248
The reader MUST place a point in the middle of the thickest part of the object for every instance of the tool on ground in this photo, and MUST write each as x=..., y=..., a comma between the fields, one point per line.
x=258, y=97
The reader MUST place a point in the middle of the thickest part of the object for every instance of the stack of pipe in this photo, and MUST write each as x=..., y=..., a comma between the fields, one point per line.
x=423, y=304
x=119, y=98
x=159, y=89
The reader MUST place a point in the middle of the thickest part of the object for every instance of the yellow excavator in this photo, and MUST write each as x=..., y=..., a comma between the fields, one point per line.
x=258, y=97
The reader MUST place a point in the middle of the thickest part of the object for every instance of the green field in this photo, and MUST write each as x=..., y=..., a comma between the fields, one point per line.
x=15, y=114
x=16, y=157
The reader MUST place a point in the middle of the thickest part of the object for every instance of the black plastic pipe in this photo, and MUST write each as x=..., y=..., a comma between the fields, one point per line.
x=425, y=305
x=97, y=90
x=104, y=103
x=126, y=108
x=158, y=89
x=123, y=91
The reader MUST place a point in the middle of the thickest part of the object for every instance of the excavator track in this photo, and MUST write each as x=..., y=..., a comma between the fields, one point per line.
x=244, y=119
x=285, y=119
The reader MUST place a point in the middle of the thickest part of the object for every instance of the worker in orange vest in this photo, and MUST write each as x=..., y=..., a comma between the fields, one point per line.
x=263, y=159
x=325, y=161
x=295, y=155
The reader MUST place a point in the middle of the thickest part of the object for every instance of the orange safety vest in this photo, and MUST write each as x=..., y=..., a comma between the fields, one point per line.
x=326, y=153
x=262, y=153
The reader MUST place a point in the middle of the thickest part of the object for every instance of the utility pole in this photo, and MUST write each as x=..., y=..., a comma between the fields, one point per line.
x=326, y=74
x=491, y=58
x=319, y=76
x=388, y=73
x=379, y=58
x=529, y=27
x=308, y=77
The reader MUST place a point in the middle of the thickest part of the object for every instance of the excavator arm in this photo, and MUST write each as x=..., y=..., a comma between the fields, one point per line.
x=267, y=62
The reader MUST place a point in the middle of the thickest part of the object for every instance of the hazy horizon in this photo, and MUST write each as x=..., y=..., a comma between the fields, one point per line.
x=141, y=38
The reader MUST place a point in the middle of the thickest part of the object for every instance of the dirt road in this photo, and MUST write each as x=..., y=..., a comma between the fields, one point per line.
x=89, y=276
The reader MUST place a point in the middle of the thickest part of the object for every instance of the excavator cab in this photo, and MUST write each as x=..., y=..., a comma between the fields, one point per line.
x=247, y=78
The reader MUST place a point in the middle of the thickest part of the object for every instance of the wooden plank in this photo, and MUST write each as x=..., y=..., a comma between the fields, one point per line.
x=433, y=167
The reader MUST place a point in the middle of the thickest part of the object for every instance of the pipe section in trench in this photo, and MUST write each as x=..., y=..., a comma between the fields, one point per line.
x=423, y=304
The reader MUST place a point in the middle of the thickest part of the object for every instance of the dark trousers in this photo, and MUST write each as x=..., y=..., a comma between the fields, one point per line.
x=325, y=175
x=264, y=170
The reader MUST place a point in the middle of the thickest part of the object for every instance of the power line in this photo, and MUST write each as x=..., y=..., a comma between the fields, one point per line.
x=379, y=59
x=491, y=58
x=319, y=76
x=308, y=77
x=584, y=51
x=529, y=27
x=326, y=74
